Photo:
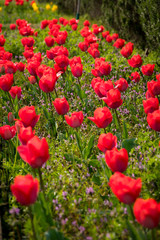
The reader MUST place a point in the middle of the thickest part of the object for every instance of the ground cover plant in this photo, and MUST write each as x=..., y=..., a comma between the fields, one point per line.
x=80, y=124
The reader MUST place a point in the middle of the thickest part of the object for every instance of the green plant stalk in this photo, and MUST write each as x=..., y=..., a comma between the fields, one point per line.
x=10, y=99
x=118, y=122
x=15, y=159
x=32, y=223
x=41, y=182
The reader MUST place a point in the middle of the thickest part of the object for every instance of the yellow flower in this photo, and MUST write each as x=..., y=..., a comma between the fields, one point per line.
x=48, y=6
x=54, y=8
x=34, y=5
x=0, y=9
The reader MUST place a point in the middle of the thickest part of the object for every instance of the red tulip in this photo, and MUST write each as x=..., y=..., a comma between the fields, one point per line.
x=47, y=82
x=113, y=99
x=2, y=40
x=20, y=66
x=35, y=153
x=105, y=34
x=147, y=212
x=125, y=188
x=150, y=105
x=75, y=120
x=74, y=27
x=153, y=120
x=135, y=61
x=27, y=41
x=10, y=117
x=62, y=61
x=49, y=41
x=101, y=88
x=148, y=69
x=119, y=43
x=109, y=39
x=121, y=84
x=6, y=82
x=94, y=52
x=28, y=116
x=115, y=36
x=44, y=24
x=10, y=67
x=86, y=23
x=95, y=80
x=7, y=132
x=102, y=117
x=32, y=79
x=15, y=91
x=105, y=68
x=77, y=70
x=116, y=160
x=25, y=189
x=25, y=134
x=61, y=105
x=83, y=46
x=149, y=95
x=12, y=26
x=74, y=61
x=127, y=50
x=107, y=142
x=135, y=77
x=154, y=87
x=158, y=77
x=33, y=66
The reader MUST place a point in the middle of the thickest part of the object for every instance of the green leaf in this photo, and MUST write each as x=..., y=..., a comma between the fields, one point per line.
x=45, y=112
x=96, y=179
x=135, y=235
x=78, y=141
x=88, y=149
x=53, y=234
x=129, y=143
x=94, y=163
x=125, y=132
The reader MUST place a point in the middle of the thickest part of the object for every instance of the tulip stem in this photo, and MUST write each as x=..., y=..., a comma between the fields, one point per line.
x=118, y=122
x=41, y=182
x=79, y=82
x=10, y=99
x=56, y=93
x=38, y=84
x=104, y=130
x=153, y=234
x=32, y=223
x=131, y=211
x=15, y=159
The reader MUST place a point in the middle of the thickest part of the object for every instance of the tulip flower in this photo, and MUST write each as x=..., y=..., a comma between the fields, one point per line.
x=113, y=99
x=116, y=160
x=135, y=77
x=119, y=43
x=147, y=212
x=35, y=153
x=154, y=87
x=125, y=188
x=25, y=134
x=61, y=105
x=153, y=120
x=148, y=69
x=49, y=41
x=6, y=82
x=75, y=120
x=25, y=189
x=150, y=105
x=107, y=142
x=15, y=91
x=135, y=61
x=47, y=82
x=7, y=132
x=102, y=117
x=28, y=116
x=121, y=84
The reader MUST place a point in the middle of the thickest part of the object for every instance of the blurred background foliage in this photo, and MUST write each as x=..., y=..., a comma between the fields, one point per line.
x=137, y=20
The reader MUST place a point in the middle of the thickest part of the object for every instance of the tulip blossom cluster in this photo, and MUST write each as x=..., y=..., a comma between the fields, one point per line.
x=34, y=150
